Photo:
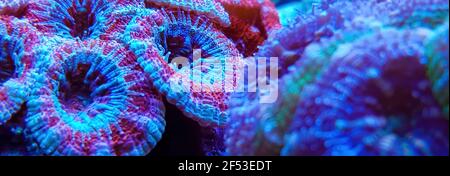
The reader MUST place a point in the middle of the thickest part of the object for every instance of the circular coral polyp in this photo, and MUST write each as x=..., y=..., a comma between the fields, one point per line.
x=70, y=18
x=95, y=101
x=379, y=103
x=180, y=35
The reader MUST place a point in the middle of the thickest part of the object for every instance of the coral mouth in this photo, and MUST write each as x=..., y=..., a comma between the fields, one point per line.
x=83, y=22
x=83, y=86
x=180, y=34
x=180, y=38
x=76, y=94
x=7, y=69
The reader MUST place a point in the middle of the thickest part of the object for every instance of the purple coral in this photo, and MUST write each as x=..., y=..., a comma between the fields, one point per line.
x=373, y=100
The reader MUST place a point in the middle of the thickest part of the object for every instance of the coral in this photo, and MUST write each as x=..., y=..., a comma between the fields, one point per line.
x=82, y=19
x=251, y=23
x=348, y=77
x=16, y=8
x=259, y=129
x=95, y=102
x=379, y=103
x=17, y=64
x=437, y=54
x=210, y=8
x=413, y=13
x=17, y=136
x=180, y=34
x=116, y=26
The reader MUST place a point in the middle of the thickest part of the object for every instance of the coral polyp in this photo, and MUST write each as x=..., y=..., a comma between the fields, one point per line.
x=260, y=129
x=224, y=77
x=94, y=101
x=180, y=35
x=17, y=64
x=70, y=18
x=10, y=97
x=380, y=103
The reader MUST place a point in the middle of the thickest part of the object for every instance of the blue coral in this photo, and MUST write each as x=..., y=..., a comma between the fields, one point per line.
x=12, y=89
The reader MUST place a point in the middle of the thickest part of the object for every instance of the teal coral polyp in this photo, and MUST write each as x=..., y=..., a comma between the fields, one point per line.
x=94, y=101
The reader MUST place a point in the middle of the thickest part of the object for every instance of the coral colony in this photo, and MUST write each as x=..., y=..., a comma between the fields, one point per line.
x=251, y=77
